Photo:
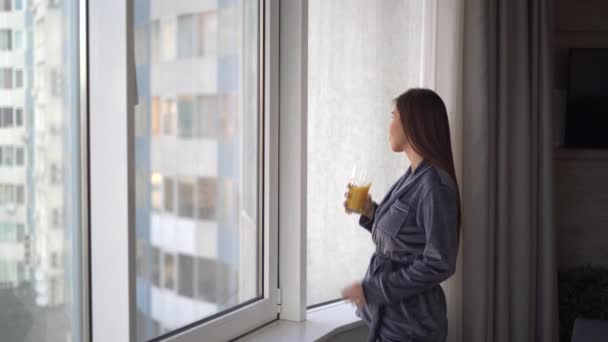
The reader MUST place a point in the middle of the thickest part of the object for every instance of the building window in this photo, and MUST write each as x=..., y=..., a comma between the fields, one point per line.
x=155, y=116
x=18, y=78
x=56, y=220
x=20, y=194
x=18, y=117
x=6, y=78
x=169, y=271
x=168, y=190
x=207, y=198
x=155, y=266
x=185, y=124
x=186, y=276
x=156, y=200
x=207, y=26
x=6, y=117
x=19, y=156
x=55, y=260
x=167, y=40
x=18, y=5
x=6, y=40
x=187, y=42
x=169, y=114
x=207, y=116
x=18, y=37
x=185, y=199
x=5, y=5
x=9, y=155
x=55, y=174
x=227, y=201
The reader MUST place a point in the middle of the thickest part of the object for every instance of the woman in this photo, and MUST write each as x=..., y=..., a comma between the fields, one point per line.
x=415, y=229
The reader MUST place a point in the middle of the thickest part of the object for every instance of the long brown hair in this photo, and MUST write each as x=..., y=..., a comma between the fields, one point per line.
x=425, y=122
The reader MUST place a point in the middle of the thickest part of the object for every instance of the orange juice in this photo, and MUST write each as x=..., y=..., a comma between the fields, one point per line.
x=357, y=197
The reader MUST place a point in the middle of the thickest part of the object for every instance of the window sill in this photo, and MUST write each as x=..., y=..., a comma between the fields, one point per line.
x=321, y=323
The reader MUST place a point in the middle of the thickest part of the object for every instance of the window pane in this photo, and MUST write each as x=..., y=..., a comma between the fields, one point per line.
x=18, y=39
x=6, y=39
x=7, y=117
x=18, y=117
x=186, y=276
x=354, y=80
x=6, y=78
x=185, y=124
x=40, y=227
x=5, y=5
x=185, y=198
x=200, y=155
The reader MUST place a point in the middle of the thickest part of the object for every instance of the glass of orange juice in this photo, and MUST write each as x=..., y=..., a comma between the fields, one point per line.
x=359, y=187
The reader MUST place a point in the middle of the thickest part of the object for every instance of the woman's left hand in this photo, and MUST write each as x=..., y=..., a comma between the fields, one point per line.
x=354, y=293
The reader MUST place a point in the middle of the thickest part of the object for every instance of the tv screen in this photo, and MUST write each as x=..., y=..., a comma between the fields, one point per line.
x=587, y=105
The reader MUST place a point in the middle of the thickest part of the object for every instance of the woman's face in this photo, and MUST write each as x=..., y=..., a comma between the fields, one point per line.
x=396, y=136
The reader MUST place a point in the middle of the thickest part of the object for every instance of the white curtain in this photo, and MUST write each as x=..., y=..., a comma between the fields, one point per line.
x=442, y=72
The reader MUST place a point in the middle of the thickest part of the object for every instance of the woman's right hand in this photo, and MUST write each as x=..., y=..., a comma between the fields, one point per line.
x=368, y=206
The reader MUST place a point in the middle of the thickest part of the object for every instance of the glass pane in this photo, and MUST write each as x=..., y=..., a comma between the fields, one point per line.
x=40, y=226
x=197, y=217
x=354, y=73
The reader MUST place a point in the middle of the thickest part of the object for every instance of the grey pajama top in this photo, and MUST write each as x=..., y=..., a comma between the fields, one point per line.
x=415, y=230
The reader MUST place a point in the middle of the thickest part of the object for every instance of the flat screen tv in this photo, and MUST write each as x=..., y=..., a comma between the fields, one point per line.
x=587, y=103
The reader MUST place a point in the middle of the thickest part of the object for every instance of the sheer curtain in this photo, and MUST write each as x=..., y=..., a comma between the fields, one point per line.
x=442, y=71
x=362, y=54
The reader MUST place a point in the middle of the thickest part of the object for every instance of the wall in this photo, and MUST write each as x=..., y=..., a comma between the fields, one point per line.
x=581, y=176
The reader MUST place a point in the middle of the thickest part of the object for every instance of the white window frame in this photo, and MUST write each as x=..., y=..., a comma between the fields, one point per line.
x=112, y=96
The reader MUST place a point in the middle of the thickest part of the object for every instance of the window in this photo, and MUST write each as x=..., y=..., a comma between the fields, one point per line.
x=186, y=30
x=207, y=114
x=6, y=119
x=169, y=114
x=186, y=275
x=227, y=202
x=169, y=271
x=56, y=218
x=208, y=33
x=5, y=5
x=196, y=162
x=9, y=155
x=55, y=174
x=156, y=191
x=168, y=192
x=20, y=194
x=18, y=5
x=185, y=124
x=207, y=198
x=6, y=78
x=185, y=198
x=6, y=40
x=18, y=117
x=167, y=41
x=155, y=117
x=18, y=35
x=18, y=78
x=155, y=266
x=19, y=156
x=361, y=76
